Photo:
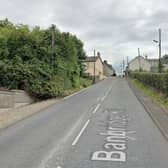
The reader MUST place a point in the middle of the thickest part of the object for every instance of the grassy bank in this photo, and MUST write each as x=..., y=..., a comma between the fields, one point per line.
x=83, y=84
x=156, y=96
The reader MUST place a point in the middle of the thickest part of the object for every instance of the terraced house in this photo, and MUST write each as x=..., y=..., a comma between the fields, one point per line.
x=89, y=64
x=144, y=64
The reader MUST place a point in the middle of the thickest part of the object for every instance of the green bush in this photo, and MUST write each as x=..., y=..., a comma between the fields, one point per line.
x=158, y=81
x=85, y=82
x=28, y=62
x=46, y=89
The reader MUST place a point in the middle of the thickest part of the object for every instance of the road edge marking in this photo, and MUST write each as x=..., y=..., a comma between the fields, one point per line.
x=80, y=133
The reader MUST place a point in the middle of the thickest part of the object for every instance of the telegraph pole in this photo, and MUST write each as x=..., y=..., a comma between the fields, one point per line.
x=127, y=60
x=127, y=66
x=53, y=45
x=123, y=66
x=94, y=77
x=160, y=52
x=139, y=59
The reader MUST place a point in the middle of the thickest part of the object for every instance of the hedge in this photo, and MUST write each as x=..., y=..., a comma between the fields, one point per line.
x=29, y=62
x=158, y=81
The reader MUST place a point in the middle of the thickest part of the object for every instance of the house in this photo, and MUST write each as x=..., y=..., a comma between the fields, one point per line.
x=144, y=64
x=139, y=64
x=94, y=66
x=108, y=69
x=154, y=64
x=164, y=61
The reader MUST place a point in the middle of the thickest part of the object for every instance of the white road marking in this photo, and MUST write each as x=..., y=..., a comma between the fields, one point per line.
x=98, y=99
x=60, y=144
x=106, y=94
x=97, y=107
x=67, y=97
x=103, y=98
x=80, y=133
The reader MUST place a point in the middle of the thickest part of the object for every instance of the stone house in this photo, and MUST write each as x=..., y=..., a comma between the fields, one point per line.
x=89, y=67
x=108, y=69
x=139, y=64
x=154, y=64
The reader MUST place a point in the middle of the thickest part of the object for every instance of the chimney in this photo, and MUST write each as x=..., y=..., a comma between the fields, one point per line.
x=98, y=54
x=146, y=57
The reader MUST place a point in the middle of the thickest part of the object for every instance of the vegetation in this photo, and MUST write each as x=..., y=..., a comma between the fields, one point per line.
x=152, y=93
x=158, y=81
x=44, y=62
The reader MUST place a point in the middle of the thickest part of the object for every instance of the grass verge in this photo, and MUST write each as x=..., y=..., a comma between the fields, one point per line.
x=156, y=96
x=84, y=83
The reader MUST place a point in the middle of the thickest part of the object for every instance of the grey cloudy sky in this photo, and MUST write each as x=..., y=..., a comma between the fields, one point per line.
x=116, y=28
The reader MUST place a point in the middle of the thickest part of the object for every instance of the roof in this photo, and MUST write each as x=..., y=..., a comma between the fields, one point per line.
x=90, y=59
x=93, y=59
x=138, y=58
x=153, y=59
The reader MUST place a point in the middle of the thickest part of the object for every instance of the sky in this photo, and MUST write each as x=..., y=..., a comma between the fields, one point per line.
x=115, y=28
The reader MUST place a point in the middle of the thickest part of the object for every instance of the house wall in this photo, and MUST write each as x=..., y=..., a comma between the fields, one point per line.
x=136, y=64
x=98, y=68
x=154, y=63
x=107, y=71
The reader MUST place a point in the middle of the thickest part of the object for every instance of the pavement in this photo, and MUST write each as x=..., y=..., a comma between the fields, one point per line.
x=104, y=126
x=10, y=116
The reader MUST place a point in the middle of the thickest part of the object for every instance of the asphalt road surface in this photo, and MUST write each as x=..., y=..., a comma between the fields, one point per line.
x=104, y=126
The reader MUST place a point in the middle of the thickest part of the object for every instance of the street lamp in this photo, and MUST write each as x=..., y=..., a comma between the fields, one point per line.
x=160, y=52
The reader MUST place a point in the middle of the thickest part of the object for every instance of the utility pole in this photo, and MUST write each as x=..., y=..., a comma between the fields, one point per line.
x=127, y=60
x=139, y=59
x=53, y=46
x=160, y=52
x=123, y=66
x=94, y=77
x=127, y=66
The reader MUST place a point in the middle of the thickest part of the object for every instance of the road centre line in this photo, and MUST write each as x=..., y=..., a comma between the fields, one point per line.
x=103, y=98
x=106, y=94
x=98, y=99
x=97, y=107
x=80, y=133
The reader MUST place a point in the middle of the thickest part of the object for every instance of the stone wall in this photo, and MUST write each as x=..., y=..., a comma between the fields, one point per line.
x=14, y=98
x=6, y=99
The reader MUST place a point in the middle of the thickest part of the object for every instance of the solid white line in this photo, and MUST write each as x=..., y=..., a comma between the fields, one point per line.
x=97, y=107
x=80, y=133
x=67, y=97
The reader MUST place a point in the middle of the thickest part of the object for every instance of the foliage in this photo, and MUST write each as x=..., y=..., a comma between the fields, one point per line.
x=153, y=94
x=30, y=62
x=158, y=81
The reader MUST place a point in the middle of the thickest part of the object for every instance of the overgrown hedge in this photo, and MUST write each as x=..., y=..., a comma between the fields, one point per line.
x=158, y=81
x=28, y=60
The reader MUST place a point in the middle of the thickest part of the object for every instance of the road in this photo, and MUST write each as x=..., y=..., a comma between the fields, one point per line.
x=104, y=126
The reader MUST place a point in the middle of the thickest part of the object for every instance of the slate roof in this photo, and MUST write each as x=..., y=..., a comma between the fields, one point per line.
x=91, y=59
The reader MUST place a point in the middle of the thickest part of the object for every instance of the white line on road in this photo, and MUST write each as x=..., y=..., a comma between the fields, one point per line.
x=97, y=107
x=98, y=99
x=80, y=133
x=103, y=98
x=67, y=97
